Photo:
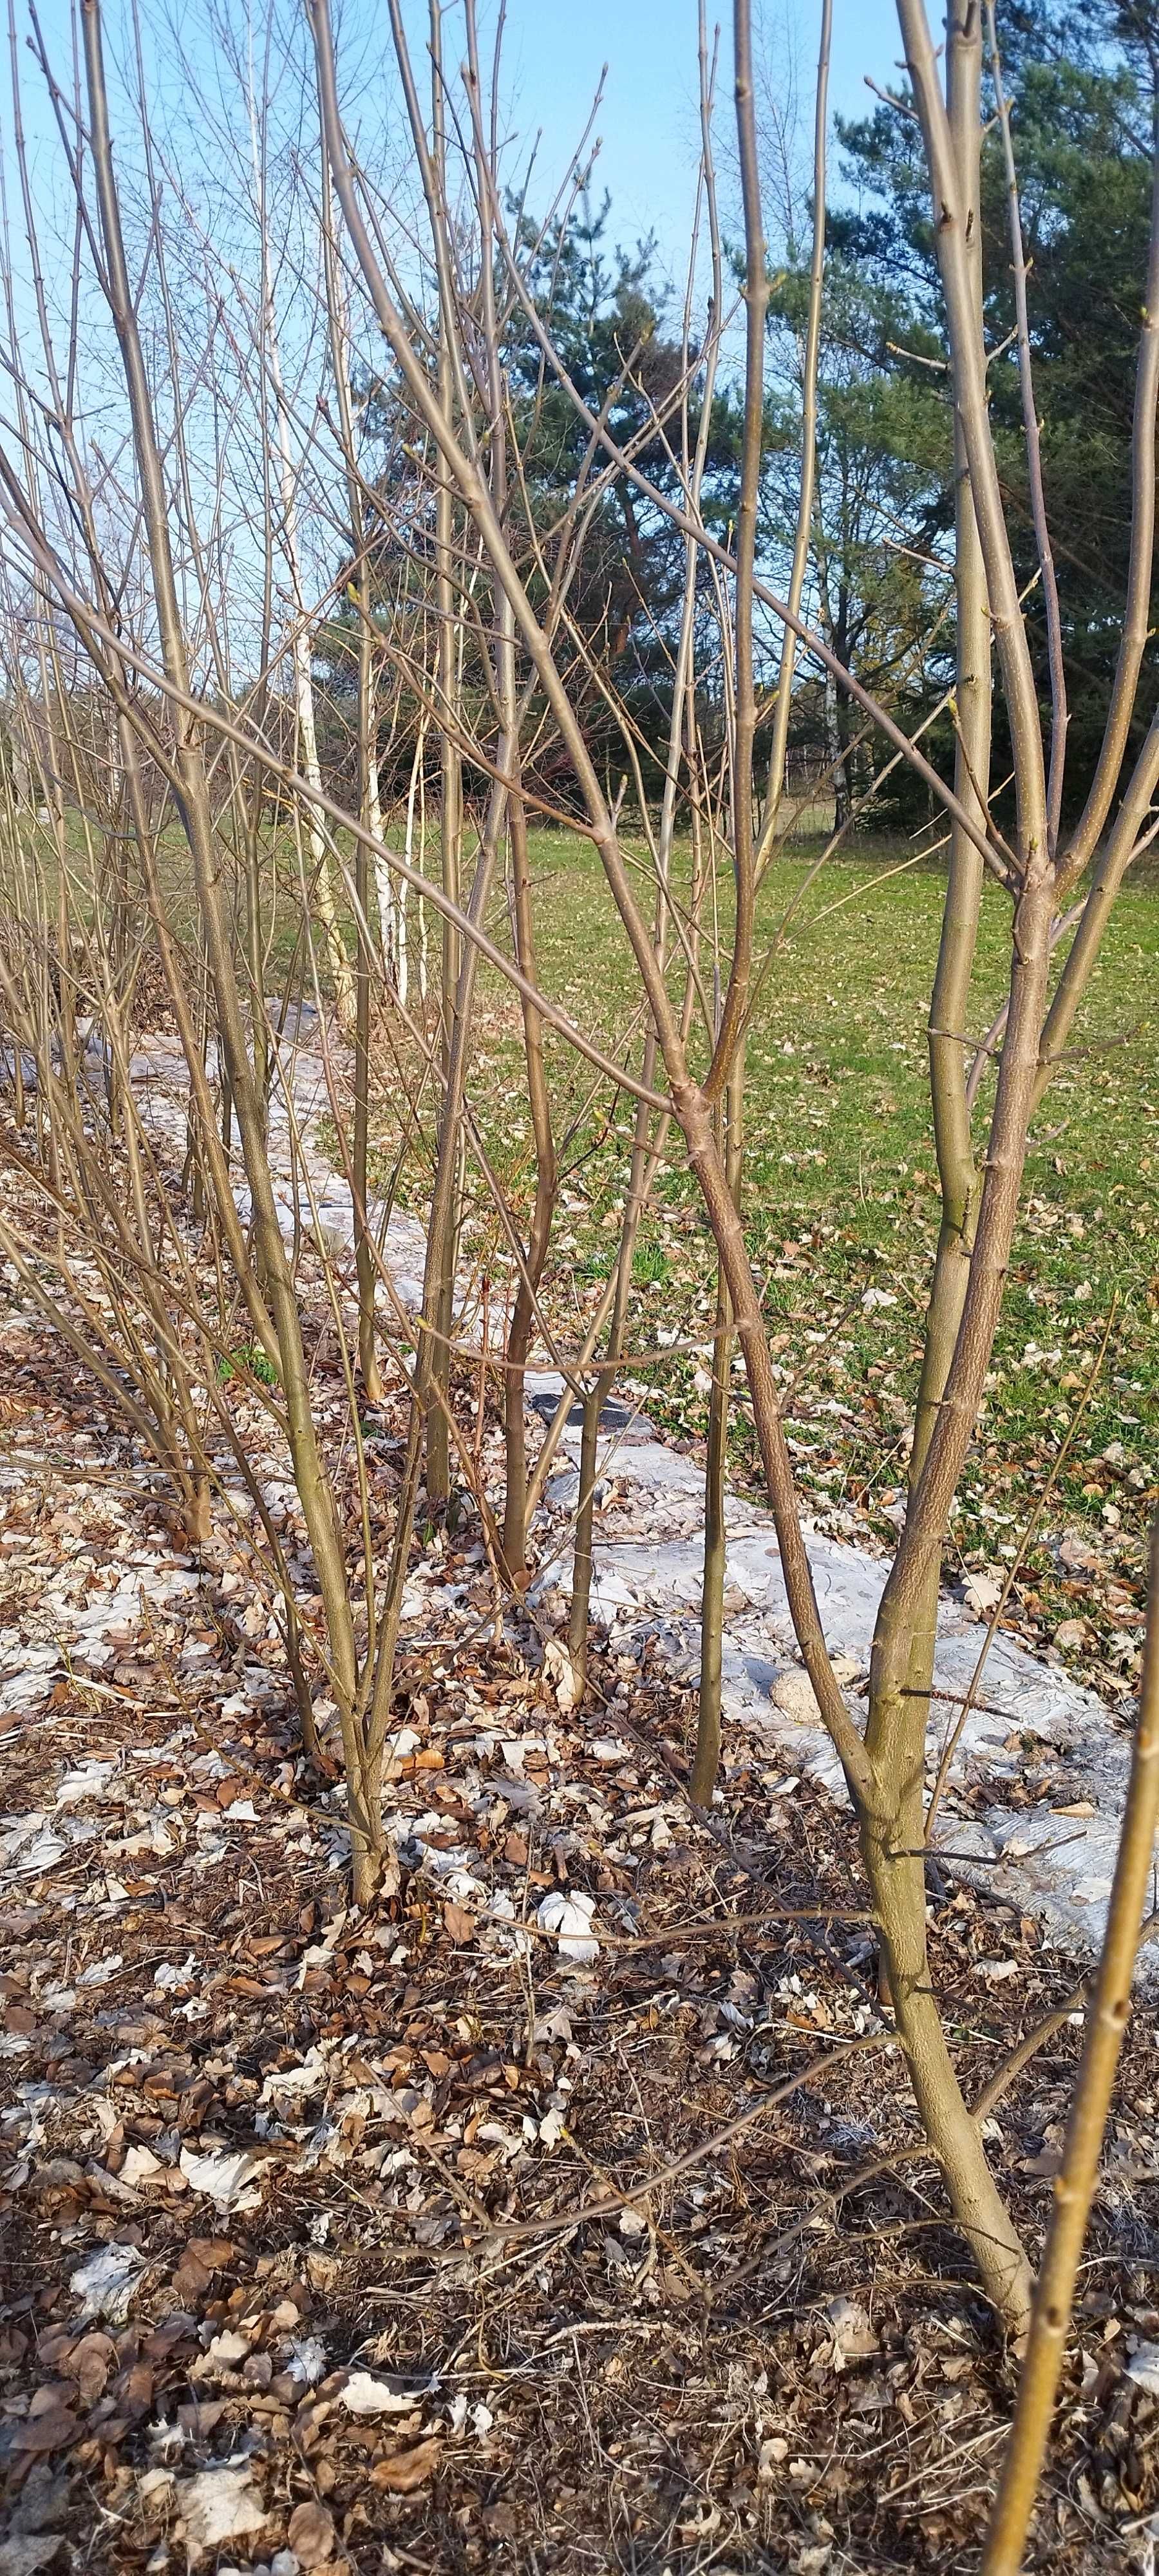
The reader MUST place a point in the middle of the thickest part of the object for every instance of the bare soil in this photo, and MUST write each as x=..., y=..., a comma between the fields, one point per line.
x=426, y=2246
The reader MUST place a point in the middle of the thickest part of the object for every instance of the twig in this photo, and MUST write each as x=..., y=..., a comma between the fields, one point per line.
x=1075, y=2184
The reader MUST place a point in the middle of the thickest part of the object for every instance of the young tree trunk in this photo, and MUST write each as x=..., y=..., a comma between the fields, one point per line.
x=321, y=895
x=809, y=367
x=368, y=806
x=581, y=1580
x=457, y=985
x=950, y=1002
x=706, y=1762
x=366, y=1268
x=1076, y=2183
x=539, y=1233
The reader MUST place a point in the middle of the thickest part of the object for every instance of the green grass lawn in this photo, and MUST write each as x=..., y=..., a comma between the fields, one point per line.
x=841, y=1205
x=840, y=1196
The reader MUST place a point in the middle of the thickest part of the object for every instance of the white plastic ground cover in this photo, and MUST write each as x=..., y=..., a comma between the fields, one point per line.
x=1055, y=1865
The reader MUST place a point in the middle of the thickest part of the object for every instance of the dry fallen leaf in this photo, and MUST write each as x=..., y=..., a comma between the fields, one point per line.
x=853, y=2334
x=27, y=2551
x=48, y=2428
x=793, y=1693
x=89, y=2364
x=219, y=2504
x=224, y=2174
x=1143, y=2368
x=312, y=2535
x=363, y=2392
x=201, y=2257
x=408, y=2469
x=561, y=1674
x=982, y=1593
x=107, y=2280
x=569, y=1916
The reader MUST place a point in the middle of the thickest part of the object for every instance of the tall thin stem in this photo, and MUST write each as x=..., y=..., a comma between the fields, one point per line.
x=809, y=372
x=1074, y=2186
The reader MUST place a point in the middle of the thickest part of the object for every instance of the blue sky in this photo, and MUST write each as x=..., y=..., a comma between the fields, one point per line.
x=553, y=54
x=554, y=51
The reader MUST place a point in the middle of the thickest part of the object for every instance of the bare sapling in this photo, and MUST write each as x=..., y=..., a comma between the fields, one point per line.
x=487, y=689
x=1107, y=2014
x=522, y=1325
x=457, y=978
x=360, y=1677
x=370, y=809
x=885, y=1768
x=706, y=1761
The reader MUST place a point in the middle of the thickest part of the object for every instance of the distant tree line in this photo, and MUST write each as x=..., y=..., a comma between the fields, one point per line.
x=879, y=585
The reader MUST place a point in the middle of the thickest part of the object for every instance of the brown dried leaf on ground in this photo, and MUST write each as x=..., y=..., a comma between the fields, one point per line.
x=404, y=2471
